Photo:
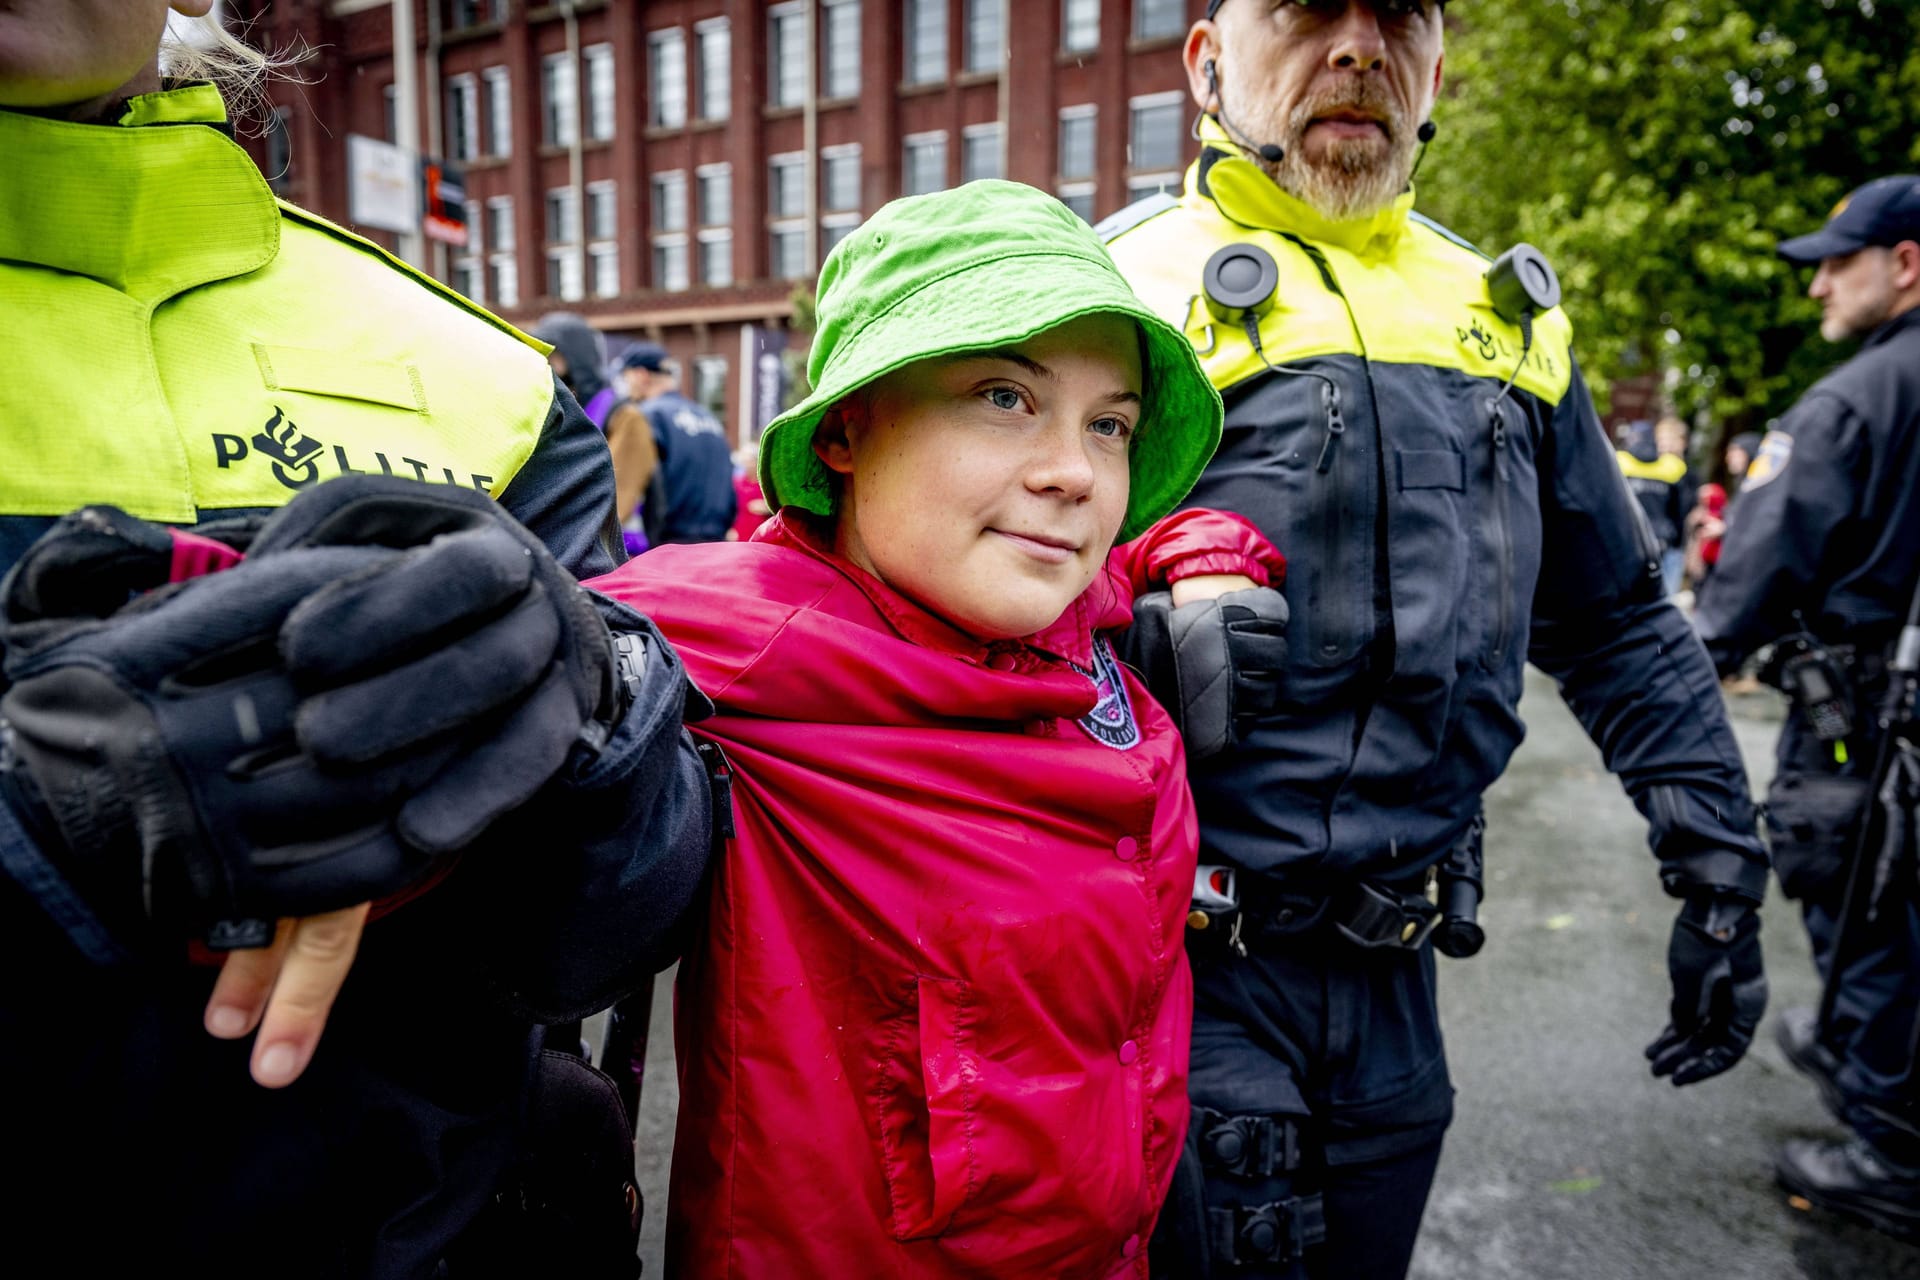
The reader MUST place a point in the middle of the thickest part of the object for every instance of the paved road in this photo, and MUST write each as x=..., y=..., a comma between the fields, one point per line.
x=1567, y=1161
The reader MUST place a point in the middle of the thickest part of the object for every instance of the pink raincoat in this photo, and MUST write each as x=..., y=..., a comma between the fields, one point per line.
x=937, y=1022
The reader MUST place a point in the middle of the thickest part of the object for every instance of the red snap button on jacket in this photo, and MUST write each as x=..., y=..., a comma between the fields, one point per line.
x=1125, y=847
x=1128, y=1052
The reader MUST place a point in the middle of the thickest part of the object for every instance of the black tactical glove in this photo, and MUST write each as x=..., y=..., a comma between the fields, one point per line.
x=1719, y=989
x=1215, y=665
x=394, y=666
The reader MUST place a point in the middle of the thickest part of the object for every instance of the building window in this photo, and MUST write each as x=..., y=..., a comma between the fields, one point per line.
x=787, y=55
x=789, y=258
x=1078, y=196
x=670, y=201
x=599, y=60
x=840, y=49
x=985, y=34
x=499, y=111
x=604, y=259
x=710, y=384
x=716, y=257
x=503, y=271
x=1153, y=18
x=468, y=279
x=1076, y=141
x=1153, y=141
x=786, y=185
x=463, y=117
x=462, y=14
x=560, y=217
x=716, y=194
x=670, y=263
x=564, y=274
x=836, y=227
x=1080, y=24
x=716, y=68
x=557, y=100
x=1142, y=185
x=603, y=211
x=840, y=177
x=926, y=164
x=667, y=61
x=980, y=152
x=926, y=59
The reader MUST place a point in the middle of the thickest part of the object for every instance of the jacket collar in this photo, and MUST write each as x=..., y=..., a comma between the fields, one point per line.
x=1908, y=319
x=1069, y=640
x=1245, y=194
x=155, y=203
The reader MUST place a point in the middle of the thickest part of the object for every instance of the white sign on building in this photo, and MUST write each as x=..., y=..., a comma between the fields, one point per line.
x=382, y=185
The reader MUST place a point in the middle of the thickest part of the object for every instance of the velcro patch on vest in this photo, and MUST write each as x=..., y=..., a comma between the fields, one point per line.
x=1111, y=721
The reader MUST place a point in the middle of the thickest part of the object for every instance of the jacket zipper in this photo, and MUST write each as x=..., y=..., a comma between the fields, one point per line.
x=1504, y=628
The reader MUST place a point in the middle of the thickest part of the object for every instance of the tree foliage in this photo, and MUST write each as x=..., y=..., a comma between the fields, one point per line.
x=1657, y=151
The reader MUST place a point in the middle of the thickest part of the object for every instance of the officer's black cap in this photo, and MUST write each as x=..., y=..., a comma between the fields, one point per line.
x=1884, y=212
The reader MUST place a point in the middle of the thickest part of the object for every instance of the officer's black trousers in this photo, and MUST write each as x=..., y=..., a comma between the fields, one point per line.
x=1345, y=1043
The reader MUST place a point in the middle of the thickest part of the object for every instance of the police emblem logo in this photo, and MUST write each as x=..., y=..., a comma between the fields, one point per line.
x=1111, y=720
x=1775, y=450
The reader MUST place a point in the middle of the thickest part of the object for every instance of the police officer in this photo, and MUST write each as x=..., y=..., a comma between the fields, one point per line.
x=477, y=744
x=1822, y=554
x=1408, y=427
x=692, y=499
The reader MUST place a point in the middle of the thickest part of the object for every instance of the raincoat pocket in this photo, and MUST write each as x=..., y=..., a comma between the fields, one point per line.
x=926, y=1094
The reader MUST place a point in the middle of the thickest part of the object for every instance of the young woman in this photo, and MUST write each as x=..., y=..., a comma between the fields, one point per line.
x=937, y=1023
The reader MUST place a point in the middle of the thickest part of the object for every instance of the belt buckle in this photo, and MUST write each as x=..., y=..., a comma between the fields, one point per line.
x=1380, y=919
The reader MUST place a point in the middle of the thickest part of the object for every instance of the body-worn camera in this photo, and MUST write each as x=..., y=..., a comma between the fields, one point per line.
x=1806, y=671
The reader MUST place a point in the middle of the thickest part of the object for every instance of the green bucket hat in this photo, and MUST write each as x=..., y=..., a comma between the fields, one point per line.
x=989, y=264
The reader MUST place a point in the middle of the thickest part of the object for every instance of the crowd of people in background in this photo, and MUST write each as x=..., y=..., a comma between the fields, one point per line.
x=1685, y=502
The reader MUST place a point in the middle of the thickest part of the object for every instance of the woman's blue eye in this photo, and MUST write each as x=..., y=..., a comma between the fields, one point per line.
x=1109, y=427
x=1004, y=398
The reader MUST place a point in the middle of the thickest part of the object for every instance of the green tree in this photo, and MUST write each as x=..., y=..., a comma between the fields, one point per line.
x=1657, y=151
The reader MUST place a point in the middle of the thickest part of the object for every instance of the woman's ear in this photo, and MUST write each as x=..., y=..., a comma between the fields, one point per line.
x=833, y=439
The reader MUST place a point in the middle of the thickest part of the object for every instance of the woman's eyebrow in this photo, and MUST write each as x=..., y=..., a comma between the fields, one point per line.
x=1011, y=356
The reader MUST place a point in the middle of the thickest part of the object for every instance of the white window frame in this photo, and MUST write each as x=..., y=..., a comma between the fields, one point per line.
x=839, y=76
x=716, y=91
x=787, y=65
x=500, y=224
x=1073, y=115
x=604, y=194
x=603, y=268
x=848, y=152
x=598, y=59
x=845, y=223
x=559, y=101
x=463, y=125
x=1143, y=9
x=782, y=227
x=976, y=53
x=666, y=94
x=917, y=65
x=776, y=164
x=499, y=110
x=568, y=219
x=472, y=258
x=1174, y=98
x=572, y=273
x=917, y=141
x=670, y=241
x=667, y=179
x=1141, y=185
x=1066, y=192
x=1080, y=25
x=970, y=137
x=704, y=174
x=708, y=238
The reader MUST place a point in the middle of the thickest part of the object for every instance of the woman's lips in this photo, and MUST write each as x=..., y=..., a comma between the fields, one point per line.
x=1046, y=549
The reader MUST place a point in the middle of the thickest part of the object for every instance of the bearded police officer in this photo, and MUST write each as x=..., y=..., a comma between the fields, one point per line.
x=1407, y=424
x=1821, y=558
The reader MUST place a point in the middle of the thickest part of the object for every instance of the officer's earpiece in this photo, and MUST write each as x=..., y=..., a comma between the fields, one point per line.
x=1426, y=131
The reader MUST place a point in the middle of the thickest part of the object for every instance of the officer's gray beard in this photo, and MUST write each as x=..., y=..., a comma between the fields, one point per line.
x=1352, y=177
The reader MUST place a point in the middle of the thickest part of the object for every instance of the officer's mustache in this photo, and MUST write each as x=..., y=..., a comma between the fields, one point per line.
x=1364, y=95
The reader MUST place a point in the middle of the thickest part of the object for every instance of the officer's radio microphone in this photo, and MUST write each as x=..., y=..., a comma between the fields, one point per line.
x=1520, y=284
x=1270, y=152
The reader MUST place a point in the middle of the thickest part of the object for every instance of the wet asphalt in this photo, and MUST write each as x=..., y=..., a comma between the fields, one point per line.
x=1567, y=1160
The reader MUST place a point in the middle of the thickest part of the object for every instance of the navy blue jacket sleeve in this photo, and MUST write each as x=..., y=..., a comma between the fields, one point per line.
x=1783, y=527
x=564, y=491
x=1632, y=670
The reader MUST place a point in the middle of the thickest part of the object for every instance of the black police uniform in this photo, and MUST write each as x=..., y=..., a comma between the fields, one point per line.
x=1826, y=533
x=1434, y=545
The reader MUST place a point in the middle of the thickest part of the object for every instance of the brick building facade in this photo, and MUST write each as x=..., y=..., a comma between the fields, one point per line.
x=674, y=169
